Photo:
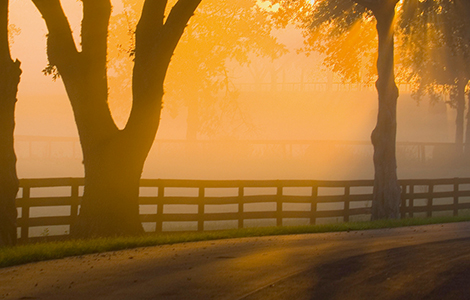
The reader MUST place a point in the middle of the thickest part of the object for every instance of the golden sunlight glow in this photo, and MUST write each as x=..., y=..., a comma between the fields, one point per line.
x=257, y=92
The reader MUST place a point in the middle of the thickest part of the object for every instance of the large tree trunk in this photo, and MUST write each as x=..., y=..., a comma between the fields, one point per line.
x=467, y=133
x=110, y=204
x=9, y=79
x=113, y=162
x=386, y=195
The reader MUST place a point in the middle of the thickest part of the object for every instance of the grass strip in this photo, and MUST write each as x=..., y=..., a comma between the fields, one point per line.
x=22, y=254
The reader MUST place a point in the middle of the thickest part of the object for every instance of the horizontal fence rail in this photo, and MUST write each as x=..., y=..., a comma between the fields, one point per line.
x=48, y=207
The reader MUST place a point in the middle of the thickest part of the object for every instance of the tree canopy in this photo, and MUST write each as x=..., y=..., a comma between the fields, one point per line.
x=435, y=47
x=340, y=30
x=219, y=33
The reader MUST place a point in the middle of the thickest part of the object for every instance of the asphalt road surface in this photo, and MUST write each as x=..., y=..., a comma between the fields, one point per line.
x=421, y=262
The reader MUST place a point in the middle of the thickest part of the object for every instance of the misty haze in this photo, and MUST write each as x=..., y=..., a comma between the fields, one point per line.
x=291, y=118
x=275, y=113
x=222, y=149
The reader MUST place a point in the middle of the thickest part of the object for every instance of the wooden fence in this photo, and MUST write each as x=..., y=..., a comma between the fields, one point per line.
x=167, y=205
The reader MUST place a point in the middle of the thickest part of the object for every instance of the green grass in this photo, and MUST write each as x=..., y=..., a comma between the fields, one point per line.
x=10, y=256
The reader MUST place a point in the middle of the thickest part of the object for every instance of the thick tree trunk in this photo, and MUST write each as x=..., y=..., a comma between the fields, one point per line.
x=9, y=79
x=467, y=133
x=110, y=204
x=113, y=163
x=113, y=160
x=386, y=198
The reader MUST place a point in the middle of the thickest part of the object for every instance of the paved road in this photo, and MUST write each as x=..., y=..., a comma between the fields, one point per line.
x=423, y=262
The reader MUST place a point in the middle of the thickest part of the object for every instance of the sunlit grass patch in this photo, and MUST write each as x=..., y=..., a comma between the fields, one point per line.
x=10, y=256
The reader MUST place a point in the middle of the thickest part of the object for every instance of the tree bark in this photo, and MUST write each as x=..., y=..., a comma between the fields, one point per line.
x=386, y=194
x=113, y=158
x=460, y=117
x=467, y=133
x=9, y=79
x=110, y=204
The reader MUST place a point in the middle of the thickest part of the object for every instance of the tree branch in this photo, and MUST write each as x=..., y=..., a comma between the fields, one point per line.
x=154, y=47
x=176, y=22
x=61, y=47
x=149, y=26
x=156, y=42
x=83, y=74
x=96, y=14
x=147, y=89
